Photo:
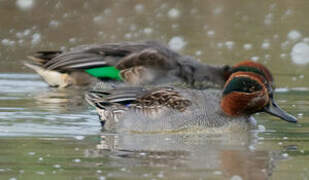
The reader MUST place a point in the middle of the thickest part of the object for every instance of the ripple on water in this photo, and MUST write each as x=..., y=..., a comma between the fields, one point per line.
x=52, y=112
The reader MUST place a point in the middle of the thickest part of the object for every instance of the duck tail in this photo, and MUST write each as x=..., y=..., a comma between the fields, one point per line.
x=53, y=78
x=42, y=57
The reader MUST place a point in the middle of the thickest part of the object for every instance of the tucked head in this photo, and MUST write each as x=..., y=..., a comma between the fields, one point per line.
x=246, y=93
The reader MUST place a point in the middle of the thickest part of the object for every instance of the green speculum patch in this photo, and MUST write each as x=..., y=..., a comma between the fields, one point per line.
x=105, y=72
x=242, y=84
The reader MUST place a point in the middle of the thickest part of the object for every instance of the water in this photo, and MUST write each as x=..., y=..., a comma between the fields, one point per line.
x=49, y=133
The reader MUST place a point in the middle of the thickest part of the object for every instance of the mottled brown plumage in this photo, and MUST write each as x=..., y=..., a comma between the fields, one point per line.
x=164, y=97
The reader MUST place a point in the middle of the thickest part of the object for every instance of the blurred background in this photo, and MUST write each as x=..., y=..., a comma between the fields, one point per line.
x=48, y=133
x=216, y=32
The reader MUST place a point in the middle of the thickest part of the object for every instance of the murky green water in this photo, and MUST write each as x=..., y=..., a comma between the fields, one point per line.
x=52, y=134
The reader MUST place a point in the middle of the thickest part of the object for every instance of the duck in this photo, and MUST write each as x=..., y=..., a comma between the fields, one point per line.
x=174, y=109
x=133, y=63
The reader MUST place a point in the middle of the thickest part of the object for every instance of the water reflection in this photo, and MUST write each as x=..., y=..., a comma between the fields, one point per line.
x=29, y=107
x=205, y=155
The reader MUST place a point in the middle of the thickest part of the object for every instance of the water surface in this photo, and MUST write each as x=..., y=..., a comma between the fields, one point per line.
x=48, y=133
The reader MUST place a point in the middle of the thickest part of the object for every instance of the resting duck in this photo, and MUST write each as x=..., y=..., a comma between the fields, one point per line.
x=134, y=63
x=162, y=109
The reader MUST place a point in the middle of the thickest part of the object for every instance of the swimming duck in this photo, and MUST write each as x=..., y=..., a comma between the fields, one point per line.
x=171, y=109
x=134, y=63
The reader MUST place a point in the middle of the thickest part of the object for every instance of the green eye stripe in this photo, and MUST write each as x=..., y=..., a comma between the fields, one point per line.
x=242, y=84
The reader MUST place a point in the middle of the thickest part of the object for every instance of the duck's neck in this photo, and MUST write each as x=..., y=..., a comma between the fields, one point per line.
x=200, y=75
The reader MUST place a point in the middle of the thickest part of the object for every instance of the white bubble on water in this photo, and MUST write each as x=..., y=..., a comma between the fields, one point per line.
x=261, y=128
x=229, y=44
x=300, y=53
x=177, y=43
x=72, y=40
x=280, y=143
x=255, y=58
x=123, y=169
x=77, y=160
x=211, y=33
x=36, y=38
x=283, y=55
x=175, y=26
x=268, y=19
x=294, y=35
x=25, y=4
x=5, y=42
x=98, y=19
x=27, y=32
x=285, y=155
x=160, y=175
x=198, y=52
x=219, y=44
x=40, y=173
x=236, y=177
x=99, y=171
x=102, y=178
x=148, y=30
x=31, y=153
x=265, y=45
x=79, y=137
x=139, y=8
x=107, y=11
x=128, y=36
x=217, y=173
x=251, y=147
x=247, y=46
x=276, y=36
x=173, y=13
x=19, y=35
x=120, y=20
x=53, y=23
x=57, y=166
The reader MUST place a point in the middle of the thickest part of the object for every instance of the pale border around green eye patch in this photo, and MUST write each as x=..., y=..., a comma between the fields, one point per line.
x=248, y=69
x=105, y=72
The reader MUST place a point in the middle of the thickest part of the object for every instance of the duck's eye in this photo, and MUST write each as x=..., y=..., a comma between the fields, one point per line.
x=242, y=84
